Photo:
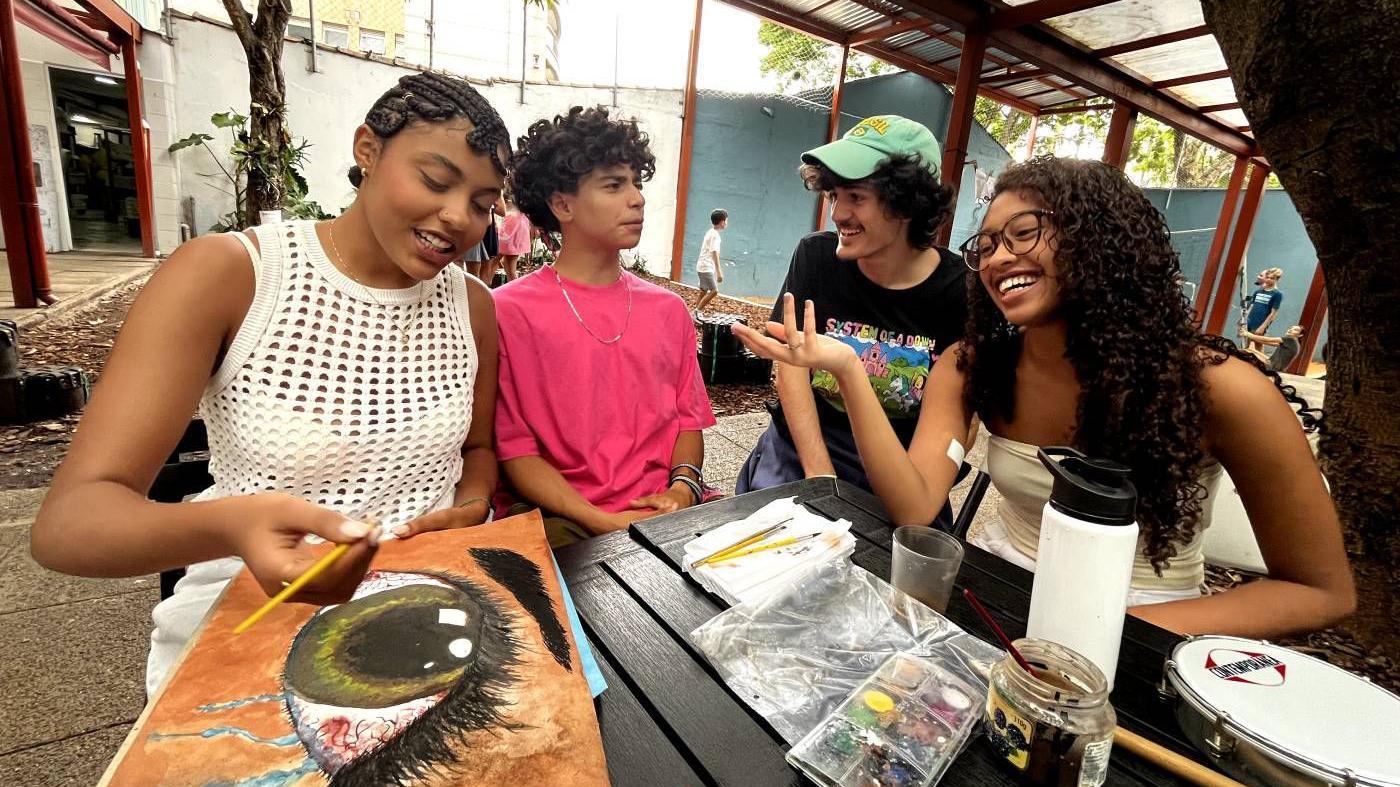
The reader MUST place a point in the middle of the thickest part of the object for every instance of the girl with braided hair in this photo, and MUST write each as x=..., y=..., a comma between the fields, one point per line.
x=1074, y=272
x=345, y=371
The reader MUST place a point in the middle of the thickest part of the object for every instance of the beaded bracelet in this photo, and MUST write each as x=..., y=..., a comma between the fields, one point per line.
x=699, y=474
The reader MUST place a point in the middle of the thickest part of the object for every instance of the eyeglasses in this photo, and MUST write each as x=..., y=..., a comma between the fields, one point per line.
x=1019, y=234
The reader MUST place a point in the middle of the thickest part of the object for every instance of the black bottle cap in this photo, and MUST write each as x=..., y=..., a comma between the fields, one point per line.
x=1095, y=490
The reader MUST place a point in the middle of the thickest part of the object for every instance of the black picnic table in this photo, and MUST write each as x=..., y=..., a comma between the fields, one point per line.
x=667, y=717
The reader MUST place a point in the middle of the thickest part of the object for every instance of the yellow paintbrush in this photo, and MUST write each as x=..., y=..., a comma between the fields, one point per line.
x=741, y=543
x=786, y=542
x=297, y=584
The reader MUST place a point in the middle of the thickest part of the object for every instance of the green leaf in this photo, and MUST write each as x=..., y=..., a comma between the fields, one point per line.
x=229, y=119
x=189, y=142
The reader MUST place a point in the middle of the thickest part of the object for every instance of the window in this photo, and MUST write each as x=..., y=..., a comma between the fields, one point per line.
x=398, y=45
x=335, y=35
x=298, y=28
x=372, y=41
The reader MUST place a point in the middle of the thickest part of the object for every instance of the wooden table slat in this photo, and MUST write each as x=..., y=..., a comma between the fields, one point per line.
x=700, y=716
x=637, y=751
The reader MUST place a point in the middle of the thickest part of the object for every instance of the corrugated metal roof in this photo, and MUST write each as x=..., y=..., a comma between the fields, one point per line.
x=1175, y=49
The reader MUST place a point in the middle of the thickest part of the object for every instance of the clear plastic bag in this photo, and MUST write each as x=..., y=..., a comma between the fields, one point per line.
x=797, y=654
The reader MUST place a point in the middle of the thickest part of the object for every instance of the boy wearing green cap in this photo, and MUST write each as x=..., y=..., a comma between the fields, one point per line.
x=879, y=284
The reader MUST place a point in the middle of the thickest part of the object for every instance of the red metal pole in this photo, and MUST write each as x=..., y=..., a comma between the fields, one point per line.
x=24, y=232
x=1222, y=233
x=1030, y=146
x=1120, y=135
x=1239, y=241
x=140, y=146
x=687, y=147
x=960, y=118
x=833, y=124
x=1314, y=313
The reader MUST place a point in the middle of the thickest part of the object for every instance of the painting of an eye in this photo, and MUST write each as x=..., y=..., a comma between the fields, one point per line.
x=379, y=687
x=386, y=648
x=452, y=663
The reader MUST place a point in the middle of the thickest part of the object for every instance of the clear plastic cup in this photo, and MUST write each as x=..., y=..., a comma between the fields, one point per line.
x=925, y=563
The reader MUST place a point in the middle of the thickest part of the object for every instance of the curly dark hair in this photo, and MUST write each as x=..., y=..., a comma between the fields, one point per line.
x=432, y=98
x=1117, y=274
x=907, y=189
x=554, y=155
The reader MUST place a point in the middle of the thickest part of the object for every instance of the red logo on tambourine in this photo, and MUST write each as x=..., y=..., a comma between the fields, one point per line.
x=1241, y=666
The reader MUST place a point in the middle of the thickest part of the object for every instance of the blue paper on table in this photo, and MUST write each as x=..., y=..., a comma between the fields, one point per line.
x=596, y=683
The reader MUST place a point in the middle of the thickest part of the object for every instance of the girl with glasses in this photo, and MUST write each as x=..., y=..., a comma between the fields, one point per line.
x=1076, y=335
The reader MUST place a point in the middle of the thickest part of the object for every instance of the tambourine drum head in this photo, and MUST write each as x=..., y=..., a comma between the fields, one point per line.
x=1294, y=709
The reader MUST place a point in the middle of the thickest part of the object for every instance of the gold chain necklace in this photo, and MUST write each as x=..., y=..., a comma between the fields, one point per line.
x=408, y=323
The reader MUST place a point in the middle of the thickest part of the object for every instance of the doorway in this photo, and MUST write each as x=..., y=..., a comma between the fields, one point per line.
x=99, y=173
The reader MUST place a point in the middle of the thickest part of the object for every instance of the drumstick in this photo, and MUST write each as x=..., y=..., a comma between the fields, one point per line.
x=1165, y=758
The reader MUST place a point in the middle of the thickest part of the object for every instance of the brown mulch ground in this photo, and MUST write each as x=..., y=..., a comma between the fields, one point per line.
x=29, y=453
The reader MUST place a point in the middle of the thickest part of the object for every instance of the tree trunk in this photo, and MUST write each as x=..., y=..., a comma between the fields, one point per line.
x=267, y=90
x=1320, y=83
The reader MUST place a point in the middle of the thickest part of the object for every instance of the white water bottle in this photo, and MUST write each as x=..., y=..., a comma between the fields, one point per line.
x=1084, y=566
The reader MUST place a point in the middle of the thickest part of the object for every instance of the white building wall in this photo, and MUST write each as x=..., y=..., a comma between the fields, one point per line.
x=327, y=106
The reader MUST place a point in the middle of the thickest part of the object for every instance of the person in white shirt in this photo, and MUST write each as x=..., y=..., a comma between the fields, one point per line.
x=709, y=270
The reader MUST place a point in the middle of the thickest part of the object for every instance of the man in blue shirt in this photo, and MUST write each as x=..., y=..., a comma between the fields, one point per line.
x=1262, y=305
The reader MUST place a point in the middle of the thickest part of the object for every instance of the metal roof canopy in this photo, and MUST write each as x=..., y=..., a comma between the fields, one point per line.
x=1156, y=56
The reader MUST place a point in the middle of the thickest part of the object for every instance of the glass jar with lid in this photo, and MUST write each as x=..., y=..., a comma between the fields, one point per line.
x=1053, y=727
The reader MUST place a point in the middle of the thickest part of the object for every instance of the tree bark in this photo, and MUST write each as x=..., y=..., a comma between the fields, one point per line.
x=267, y=91
x=1320, y=83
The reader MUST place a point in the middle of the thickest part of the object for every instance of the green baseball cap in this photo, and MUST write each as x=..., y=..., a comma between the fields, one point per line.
x=864, y=148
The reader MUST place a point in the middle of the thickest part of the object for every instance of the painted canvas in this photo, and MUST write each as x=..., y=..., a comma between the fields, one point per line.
x=452, y=665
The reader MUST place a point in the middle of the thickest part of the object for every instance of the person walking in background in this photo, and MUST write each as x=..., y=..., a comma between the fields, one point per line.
x=1262, y=305
x=515, y=235
x=708, y=267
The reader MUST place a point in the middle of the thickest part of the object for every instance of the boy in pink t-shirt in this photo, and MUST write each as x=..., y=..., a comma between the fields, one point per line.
x=601, y=405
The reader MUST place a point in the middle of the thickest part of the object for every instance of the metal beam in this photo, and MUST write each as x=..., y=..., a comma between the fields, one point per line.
x=1040, y=10
x=960, y=120
x=1239, y=243
x=943, y=75
x=1151, y=41
x=1192, y=79
x=881, y=33
x=1065, y=110
x=687, y=148
x=1219, y=107
x=140, y=146
x=1120, y=136
x=1314, y=313
x=946, y=38
x=117, y=17
x=1012, y=77
x=833, y=125
x=1217, y=243
x=19, y=196
x=1053, y=53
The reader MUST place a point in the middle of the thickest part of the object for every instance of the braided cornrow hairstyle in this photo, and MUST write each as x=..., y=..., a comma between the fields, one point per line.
x=1119, y=297
x=432, y=98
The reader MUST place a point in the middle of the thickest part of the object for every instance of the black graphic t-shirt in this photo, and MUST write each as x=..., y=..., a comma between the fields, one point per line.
x=898, y=334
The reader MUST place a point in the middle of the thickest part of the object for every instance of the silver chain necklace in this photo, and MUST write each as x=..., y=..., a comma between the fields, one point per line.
x=408, y=323
x=625, y=322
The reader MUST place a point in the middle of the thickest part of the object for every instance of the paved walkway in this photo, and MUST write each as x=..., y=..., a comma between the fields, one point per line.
x=77, y=278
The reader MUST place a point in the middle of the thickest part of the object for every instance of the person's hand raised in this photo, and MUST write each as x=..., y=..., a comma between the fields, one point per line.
x=797, y=348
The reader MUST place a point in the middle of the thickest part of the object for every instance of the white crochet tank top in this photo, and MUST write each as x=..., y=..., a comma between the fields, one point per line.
x=353, y=398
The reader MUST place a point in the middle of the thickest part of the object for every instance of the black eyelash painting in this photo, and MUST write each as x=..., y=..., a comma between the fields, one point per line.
x=451, y=665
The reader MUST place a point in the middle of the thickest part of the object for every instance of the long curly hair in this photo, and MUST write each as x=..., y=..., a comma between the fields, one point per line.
x=554, y=155
x=1132, y=340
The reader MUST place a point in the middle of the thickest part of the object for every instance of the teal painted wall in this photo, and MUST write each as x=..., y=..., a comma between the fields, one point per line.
x=746, y=153
x=1279, y=240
